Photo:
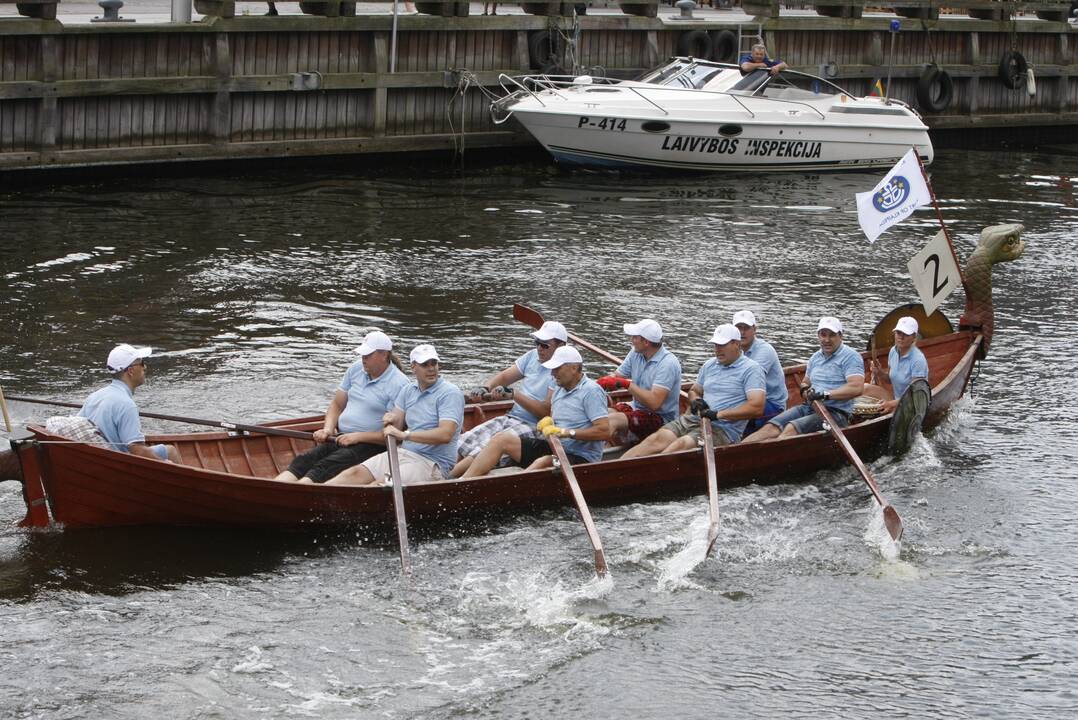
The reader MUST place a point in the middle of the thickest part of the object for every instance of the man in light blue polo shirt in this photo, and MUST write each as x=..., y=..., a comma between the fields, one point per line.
x=113, y=411
x=835, y=375
x=730, y=389
x=758, y=349
x=578, y=415
x=351, y=431
x=531, y=400
x=905, y=363
x=427, y=416
x=652, y=375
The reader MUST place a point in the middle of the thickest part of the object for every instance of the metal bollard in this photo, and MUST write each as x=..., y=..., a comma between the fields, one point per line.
x=181, y=11
x=686, y=7
x=112, y=12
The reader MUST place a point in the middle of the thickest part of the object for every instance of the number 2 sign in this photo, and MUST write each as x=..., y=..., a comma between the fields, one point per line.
x=934, y=272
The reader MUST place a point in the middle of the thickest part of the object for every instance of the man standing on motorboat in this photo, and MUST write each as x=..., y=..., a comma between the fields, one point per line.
x=757, y=59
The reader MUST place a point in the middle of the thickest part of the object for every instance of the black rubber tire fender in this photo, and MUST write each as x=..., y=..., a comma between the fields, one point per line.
x=695, y=43
x=1012, y=69
x=544, y=50
x=724, y=46
x=935, y=89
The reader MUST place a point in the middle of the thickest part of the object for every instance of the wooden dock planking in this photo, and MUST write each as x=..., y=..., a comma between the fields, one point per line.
x=73, y=95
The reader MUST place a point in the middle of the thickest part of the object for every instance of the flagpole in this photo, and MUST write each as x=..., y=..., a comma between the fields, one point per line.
x=895, y=25
x=939, y=215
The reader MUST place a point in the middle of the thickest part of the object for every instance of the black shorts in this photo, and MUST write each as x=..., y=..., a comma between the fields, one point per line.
x=327, y=460
x=533, y=448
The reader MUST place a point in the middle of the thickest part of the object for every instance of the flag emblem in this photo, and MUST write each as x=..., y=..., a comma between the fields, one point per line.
x=892, y=194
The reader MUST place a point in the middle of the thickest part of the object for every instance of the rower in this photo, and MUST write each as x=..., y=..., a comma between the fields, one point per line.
x=112, y=409
x=426, y=417
x=531, y=400
x=905, y=363
x=351, y=430
x=835, y=375
x=758, y=349
x=652, y=375
x=578, y=414
x=730, y=389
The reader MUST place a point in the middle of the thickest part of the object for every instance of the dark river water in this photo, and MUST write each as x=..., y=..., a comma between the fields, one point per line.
x=253, y=292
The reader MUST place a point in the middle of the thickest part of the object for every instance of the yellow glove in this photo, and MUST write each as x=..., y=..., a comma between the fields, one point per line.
x=544, y=422
x=551, y=429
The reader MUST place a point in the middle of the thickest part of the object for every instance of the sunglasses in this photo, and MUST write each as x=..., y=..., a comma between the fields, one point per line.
x=544, y=345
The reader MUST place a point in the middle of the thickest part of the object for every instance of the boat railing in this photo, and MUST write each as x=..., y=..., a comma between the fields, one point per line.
x=533, y=85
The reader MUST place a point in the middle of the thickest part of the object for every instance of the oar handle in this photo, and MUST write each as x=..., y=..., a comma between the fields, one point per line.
x=581, y=505
x=240, y=427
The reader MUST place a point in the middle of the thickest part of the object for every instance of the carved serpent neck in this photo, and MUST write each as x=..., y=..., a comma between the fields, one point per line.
x=998, y=243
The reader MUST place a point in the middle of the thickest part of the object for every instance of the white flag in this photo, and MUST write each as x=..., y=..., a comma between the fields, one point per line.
x=894, y=199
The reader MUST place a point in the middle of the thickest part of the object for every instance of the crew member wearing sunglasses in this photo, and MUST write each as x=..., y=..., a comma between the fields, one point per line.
x=112, y=409
x=531, y=400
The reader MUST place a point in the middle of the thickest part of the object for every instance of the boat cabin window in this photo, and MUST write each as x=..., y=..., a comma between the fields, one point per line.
x=689, y=75
x=787, y=85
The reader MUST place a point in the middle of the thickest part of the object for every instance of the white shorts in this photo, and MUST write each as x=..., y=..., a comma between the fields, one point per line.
x=415, y=468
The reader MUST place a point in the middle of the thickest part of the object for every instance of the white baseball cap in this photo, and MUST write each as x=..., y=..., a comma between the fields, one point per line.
x=422, y=353
x=906, y=325
x=726, y=334
x=121, y=356
x=551, y=331
x=647, y=329
x=744, y=316
x=375, y=340
x=562, y=356
x=830, y=323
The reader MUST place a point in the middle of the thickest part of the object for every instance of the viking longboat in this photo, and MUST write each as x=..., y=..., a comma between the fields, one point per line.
x=226, y=479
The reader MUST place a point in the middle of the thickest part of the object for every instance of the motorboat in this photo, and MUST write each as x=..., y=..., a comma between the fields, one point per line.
x=699, y=115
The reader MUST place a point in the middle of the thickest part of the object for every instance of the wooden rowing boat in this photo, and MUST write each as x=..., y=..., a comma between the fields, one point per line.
x=226, y=479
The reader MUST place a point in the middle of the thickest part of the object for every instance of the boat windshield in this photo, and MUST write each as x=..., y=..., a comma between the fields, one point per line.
x=683, y=73
x=787, y=85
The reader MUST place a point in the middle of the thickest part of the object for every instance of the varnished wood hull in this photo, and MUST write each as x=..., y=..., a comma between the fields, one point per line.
x=225, y=481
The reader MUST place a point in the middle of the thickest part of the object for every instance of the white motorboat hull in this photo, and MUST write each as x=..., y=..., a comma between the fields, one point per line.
x=698, y=116
x=701, y=147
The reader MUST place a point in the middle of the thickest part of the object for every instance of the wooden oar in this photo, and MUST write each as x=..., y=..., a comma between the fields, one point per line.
x=712, y=483
x=398, y=503
x=190, y=421
x=581, y=505
x=890, y=515
x=526, y=315
x=3, y=408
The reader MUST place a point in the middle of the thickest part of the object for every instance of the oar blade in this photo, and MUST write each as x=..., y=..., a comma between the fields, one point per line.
x=524, y=314
x=892, y=522
x=712, y=536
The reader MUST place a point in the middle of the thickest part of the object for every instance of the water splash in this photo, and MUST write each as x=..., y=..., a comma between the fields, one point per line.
x=674, y=571
x=876, y=535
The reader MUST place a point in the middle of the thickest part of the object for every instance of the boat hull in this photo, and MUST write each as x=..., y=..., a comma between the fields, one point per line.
x=701, y=146
x=225, y=480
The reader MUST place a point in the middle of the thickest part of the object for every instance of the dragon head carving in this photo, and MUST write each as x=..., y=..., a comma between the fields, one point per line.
x=998, y=243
